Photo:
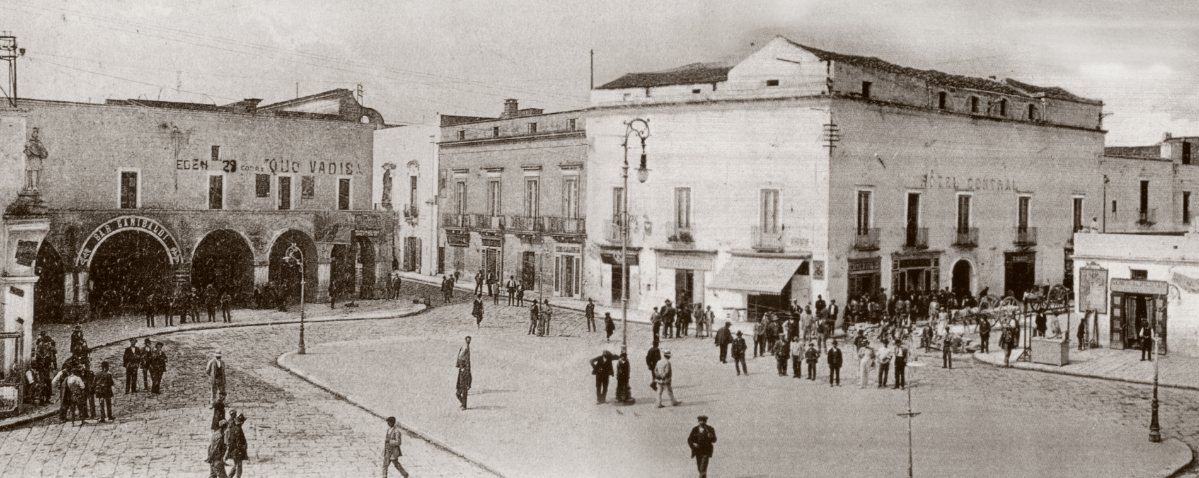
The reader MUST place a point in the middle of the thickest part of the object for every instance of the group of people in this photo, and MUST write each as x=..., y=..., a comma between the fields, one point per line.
x=671, y=322
x=188, y=303
x=803, y=323
x=152, y=362
x=228, y=442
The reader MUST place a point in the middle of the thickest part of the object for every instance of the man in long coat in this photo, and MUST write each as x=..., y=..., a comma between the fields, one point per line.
x=724, y=337
x=701, y=443
x=464, y=377
x=477, y=311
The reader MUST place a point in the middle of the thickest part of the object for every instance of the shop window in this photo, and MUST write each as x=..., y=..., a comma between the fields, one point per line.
x=772, y=82
x=570, y=124
x=1032, y=112
x=1138, y=274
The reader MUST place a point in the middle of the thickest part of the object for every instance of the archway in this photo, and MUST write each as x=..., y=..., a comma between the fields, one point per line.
x=126, y=267
x=48, y=292
x=366, y=257
x=224, y=260
x=286, y=276
x=341, y=270
x=961, y=278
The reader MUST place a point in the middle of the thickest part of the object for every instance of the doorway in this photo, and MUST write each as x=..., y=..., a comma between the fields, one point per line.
x=961, y=279
x=1019, y=272
x=528, y=270
x=617, y=283
x=684, y=286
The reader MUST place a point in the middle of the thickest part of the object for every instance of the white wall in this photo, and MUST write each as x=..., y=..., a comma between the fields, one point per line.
x=413, y=149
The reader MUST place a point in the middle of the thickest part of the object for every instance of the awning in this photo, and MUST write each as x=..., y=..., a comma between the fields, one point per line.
x=765, y=275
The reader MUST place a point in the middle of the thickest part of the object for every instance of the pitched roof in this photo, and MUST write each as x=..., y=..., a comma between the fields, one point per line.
x=1153, y=151
x=693, y=74
x=1049, y=91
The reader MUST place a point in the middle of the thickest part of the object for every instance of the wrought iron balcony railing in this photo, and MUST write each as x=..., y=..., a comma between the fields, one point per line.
x=767, y=240
x=866, y=239
x=965, y=237
x=1026, y=236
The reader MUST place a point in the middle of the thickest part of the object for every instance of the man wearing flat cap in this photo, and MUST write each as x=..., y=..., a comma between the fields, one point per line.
x=701, y=440
x=391, y=447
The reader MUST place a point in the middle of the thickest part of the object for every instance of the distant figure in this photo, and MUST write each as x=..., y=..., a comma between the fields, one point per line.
x=589, y=314
x=477, y=311
x=865, y=361
x=834, y=360
x=1082, y=333
x=701, y=442
x=216, y=450
x=464, y=377
x=609, y=326
x=663, y=374
x=739, y=354
x=534, y=313
x=624, y=394
x=103, y=385
x=218, y=412
x=158, y=366
x=226, y=305
x=216, y=375
x=511, y=287
x=131, y=361
x=391, y=448
x=652, y=357
x=236, y=447
x=724, y=337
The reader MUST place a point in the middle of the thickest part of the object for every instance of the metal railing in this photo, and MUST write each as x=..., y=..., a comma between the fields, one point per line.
x=484, y=221
x=1026, y=236
x=613, y=232
x=767, y=240
x=680, y=234
x=459, y=221
x=1147, y=217
x=965, y=237
x=915, y=237
x=526, y=224
x=566, y=225
x=866, y=239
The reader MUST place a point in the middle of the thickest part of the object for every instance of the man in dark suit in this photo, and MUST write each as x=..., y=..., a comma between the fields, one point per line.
x=724, y=337
x=601, y=367
x=701, y=442
x=479, y=282
x=1146, y=342
x=668, y=320
x=901, y=363
x=131, y=361
x=834, y=365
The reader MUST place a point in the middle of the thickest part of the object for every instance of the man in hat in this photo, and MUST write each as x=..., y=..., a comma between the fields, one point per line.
x=464, y=377
x=701, y=442
x=477, y=311
x=663, y=373
x=216, y=450
x=601, y=367
x=131, y=361
x=739, y=354
x=834, y=360
x=391, y=447
x=158, y=365
x=235, y=442
x=147, y=350
x=216, y=375
x=652, y=357
x=811, y=356
x=724, y=337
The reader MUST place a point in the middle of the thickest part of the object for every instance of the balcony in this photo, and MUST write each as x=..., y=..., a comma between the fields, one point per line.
x=1026, y=236
x=566, y=225
x=613, y=232
x=680, y=236
x=526, y=225
x=767, y=241
x=866, y=239
x=455, y=221
x=488, y=223
x=411, y=213
x=1147, y=217
x=915, y=238
x=965, y=237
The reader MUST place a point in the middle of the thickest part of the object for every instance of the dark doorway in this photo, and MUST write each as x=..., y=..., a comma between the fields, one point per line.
x=411, y=253
x=128, y=266
x=224, y=260
x=491, y=263
x=48, y=293
x=912, y=227
x=1019, y=272
x=366, y=259
x=285, y=275
x=684, y=286
x=617, y=283
x=961, y=279
x=528, y=269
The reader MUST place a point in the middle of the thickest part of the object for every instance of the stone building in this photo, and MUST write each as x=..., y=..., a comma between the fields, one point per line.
x=799, y=173
x=406, y=184
x=151, y=197
x=513, y=192
x=1149, y=189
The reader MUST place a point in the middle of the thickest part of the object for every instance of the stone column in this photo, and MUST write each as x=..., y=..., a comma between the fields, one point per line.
x=262, y=272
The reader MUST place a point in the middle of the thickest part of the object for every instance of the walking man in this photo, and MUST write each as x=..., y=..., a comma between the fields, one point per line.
x=663, y=373
x=601, y=367
x=216, y=452
x=834, y=365
x=609, y=326
x=391, y=448
x=216, y=375
x=131, y=361
x=739, y=354
x=464, y=377
x=724, y=337
x=652, y=357
x=901, y=364
x=477, y=311
x=701, y=442
x=589, y=313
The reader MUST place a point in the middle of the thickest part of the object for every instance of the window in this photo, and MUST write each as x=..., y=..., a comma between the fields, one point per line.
x=974, y=104
x=695, y=91
x=913, y=219
x=284, y=193
x=343, y=194
x=682, y=207
x=307, y=187
x=129, y=197
x=1144, y=196
x=1032, y=112
x=532, y=128
x=570, y=124
x=1138, y=274
x=461, y=134
x=863, y=212
x=770, y=210
x=495, y=131
x=772, y=82
x=1077, y=214
x=570, y=197
x=412, y=192
x=866, y=89
x=1022, y=212
x=1186, y=207
x=494, y=196
x=532, y=196
x=216, y=154
x=1186, y=152
x=963, y=213
x=942, y=100
x=460, y=196
x=1003, y=107
x=262, y=185
x=441, y=182
x=216, y=191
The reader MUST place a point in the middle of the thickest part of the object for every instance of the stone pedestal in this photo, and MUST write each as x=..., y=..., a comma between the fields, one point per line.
x=23, y=236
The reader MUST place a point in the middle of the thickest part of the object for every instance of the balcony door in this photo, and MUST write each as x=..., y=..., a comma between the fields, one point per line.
x=913, y=219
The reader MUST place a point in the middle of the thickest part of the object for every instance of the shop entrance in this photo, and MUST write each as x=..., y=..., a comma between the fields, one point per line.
x=913, y=274
x=617, y=283
x=567, y=269
x=865, y=278
x=1019, y=272
x=684, y=286
x=961, y=279
x=1131, y=312
x=412, y=254
x=528, y=269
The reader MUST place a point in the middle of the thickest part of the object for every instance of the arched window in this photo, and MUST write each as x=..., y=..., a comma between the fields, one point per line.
x=1032, y=112
x=974, y=104
x=942, y=100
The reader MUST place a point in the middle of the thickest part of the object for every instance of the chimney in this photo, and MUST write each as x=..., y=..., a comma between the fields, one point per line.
x=511, y=110
x=252, y=105
x=1168, y=136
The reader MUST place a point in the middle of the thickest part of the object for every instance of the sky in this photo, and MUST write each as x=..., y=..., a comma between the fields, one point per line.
x=418, y=59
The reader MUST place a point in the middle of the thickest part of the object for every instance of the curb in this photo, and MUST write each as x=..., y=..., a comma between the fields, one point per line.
x=1177, y=471
x=356, y=403
x=27, y=419
x=1088, y=375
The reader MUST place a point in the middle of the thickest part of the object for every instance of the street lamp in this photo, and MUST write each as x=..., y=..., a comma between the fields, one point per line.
x=1155, y=429
x=642, y=176
x=294, y=255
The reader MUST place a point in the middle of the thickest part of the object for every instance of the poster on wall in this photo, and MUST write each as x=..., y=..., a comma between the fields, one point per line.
x=1092, y=292
x=817, y=270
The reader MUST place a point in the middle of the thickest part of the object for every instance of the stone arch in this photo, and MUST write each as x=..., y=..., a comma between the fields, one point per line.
x=285, y=276
x=127, y=223
x=224, y=258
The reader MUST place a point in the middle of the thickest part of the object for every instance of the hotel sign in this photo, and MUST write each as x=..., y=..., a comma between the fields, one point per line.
x=1146, y=287
x=695, y=262
x=932, y=180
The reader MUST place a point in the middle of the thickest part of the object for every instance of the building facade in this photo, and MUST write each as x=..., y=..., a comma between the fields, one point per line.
x=512, y=198
x=406, y=184
x=150, y=197
x=799, y=174
x=1150, y=189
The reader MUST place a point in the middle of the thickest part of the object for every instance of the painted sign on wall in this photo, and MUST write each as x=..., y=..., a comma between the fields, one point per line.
x=127, y=223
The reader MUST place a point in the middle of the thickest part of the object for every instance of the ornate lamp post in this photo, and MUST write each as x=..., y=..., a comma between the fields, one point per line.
x=294, y=255
x=642, y=175
x=1155, y=429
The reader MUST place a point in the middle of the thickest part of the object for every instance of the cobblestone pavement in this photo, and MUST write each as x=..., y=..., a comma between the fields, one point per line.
x=295, y=429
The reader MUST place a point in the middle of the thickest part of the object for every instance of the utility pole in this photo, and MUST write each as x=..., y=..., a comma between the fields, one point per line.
x=9, y=52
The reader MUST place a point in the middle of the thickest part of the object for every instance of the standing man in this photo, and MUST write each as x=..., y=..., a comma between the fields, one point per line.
x=236, y=447
x=668, y=313
x=464, y=377
x=131, y=361
x=477, y=311
x=663, y=374
x=479, y=282
x=797, y=356
x=724, y=337
x=391, y=447
x=947, y=350
x=739, y=354
x=216, y=451
x=701, y=440
x=158, y=365
x=492, y=285
x=984, y=336
x=226, y=306
x=884, y=363
x=547, y=314
x=834, y=317
x=811, y=357
x=601, y=367
x=511, y=286
x=709, y=319
x=533, y=313
x=834, y=365
x=589, y=313
x=1082, y=334
x=1146, y=337
x=103, y=386
x=781, y=354
x=624, y=394
x=901, y=363
x=216, y=375
x=610, y=326
x=150, y=303
x=652, y=357
x=759, y=339
x=211, y=298
x=146, y=350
